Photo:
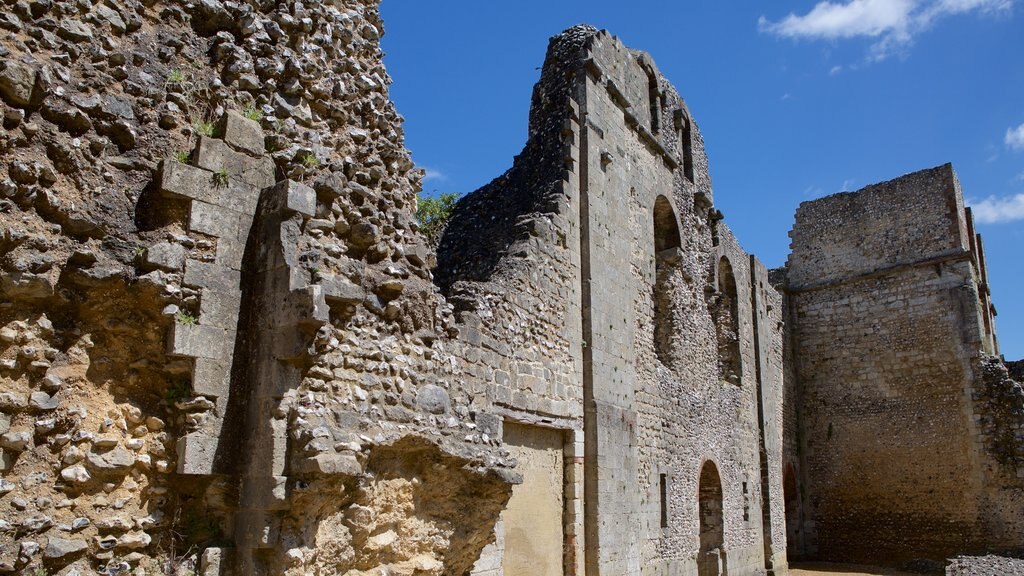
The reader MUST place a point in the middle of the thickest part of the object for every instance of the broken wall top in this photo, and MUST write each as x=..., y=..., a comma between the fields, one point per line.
x=913, y=218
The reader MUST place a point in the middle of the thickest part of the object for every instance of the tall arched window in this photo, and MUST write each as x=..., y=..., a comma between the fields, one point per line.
x=667, y=258
x=725, y=311
x=711, y=558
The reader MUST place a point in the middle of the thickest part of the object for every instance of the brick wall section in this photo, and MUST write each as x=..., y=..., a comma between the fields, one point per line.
x=886, y=324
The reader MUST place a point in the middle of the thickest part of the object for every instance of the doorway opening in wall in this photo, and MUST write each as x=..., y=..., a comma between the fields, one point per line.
x=725, y=312
x=791, y=494
x=667, y=260
x=534, y=521
x=711, y=559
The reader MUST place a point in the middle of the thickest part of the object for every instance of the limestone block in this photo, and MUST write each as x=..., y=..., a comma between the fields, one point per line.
x=200, y=341
x=239, y=196
x=215, y=220
x=230, y=252
x=195, y=454
x=184, y=181
x=166, y=255
x=433, y=399
x=58, y=547
x=242, y=133
x=344, y=464
x=296, y=197
x=220, y=308
x=115, y=461
x=211, y=378
x=214, y=155
x=339, y=290
x=217, y=277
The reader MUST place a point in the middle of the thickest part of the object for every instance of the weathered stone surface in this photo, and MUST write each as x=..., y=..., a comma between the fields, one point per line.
x=16, y=83
x=166, y=256
x=242, y=133
x=57, y=547
x=115, y=460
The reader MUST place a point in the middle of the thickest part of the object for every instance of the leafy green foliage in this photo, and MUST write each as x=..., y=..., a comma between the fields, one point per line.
x=433, y=213
x=252, y=113
x=204, y=128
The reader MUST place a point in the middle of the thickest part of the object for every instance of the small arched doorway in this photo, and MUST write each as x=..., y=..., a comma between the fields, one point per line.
x=711, y=556
x=791, y=495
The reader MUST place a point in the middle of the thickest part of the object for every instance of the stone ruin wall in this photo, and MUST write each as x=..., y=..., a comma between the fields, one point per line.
x=219, y=330
x=581, y=197
x=906, y=394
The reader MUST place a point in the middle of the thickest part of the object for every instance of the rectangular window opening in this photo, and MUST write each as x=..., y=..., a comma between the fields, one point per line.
x=664, y=500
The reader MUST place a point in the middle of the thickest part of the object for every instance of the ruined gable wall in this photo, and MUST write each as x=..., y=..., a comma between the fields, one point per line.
x=593, y=140
x=886, y=325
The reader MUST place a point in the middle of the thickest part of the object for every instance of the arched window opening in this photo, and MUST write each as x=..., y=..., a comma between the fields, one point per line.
x=711, y=557
x=725, y=311
x=667, y=258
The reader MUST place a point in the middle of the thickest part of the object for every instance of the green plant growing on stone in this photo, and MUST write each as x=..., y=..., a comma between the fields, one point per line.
x=185, y=317
x=179, y=389
x=252, y=113
x=177, y=76
x=221, y=178
x=309, y=160
x=203, y=128
x=433, y=212
x=181, y=156
x=40, y=571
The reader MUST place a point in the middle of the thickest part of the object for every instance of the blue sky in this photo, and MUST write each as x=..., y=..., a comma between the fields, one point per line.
x=795, y=100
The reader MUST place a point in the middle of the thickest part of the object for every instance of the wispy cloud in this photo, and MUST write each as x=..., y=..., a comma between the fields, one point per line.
x=994, y=210
x=433, y=175
x=847, y=184
x=893, y=23
x=835, y=70
x=1015, y=137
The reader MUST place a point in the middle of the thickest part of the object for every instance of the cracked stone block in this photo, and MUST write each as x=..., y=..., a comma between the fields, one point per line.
x=195, y=454
x=199, y=341
x=240, y=197
x=166, y=256
x=242, y=133
x=214, y=276
x=184, y=181
x=215, y=155
x=339, y=290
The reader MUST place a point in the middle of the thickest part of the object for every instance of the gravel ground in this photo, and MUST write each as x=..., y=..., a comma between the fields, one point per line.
x=985, y=566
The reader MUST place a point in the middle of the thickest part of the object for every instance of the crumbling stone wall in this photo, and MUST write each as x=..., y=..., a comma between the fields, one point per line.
x=208, y=246
x=900, y=449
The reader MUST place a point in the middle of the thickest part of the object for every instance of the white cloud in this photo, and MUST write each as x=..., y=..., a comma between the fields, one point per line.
x=1015, y=137
x=432, y=175
x=893, y=22
x=994, y=210
x=835, y=70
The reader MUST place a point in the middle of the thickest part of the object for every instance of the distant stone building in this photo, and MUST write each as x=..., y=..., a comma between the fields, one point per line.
x=903, y=435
